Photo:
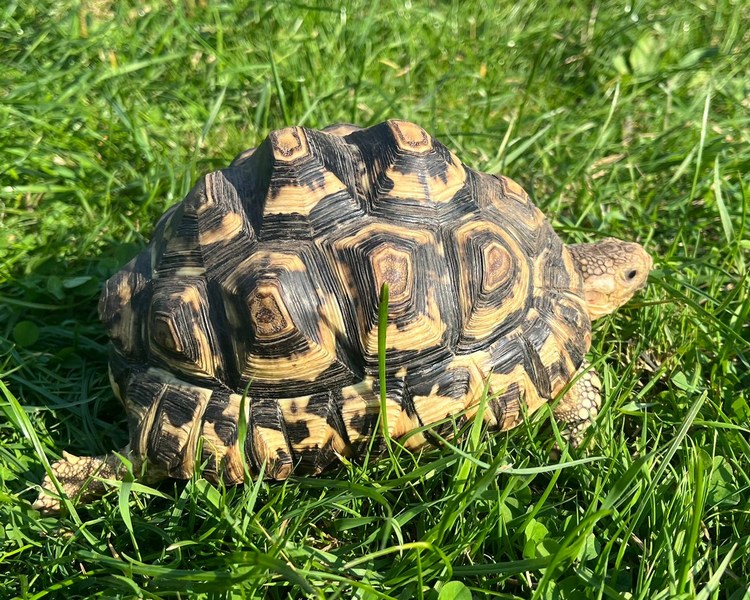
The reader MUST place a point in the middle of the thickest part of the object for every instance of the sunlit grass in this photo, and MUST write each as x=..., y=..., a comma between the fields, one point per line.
x=628, y=120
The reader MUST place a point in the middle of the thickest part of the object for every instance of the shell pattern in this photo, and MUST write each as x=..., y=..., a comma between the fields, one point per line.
x=260, y=292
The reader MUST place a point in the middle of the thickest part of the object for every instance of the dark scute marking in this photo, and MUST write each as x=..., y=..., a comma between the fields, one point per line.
x=544, y=304
x=303, y=172
x=375, y=150
x=165, y=449
x=123, y=370
x=515, y=217
x=297, y=432
x=574, y=316
x=456, y=384
x=321, y=404
x=415, y=212
x=111, y=306
x=162, y=230
x=222, y=256
x=333, y=210
x=179, y=405
x=222, y=331
x=505, y=402
x=141, y=264
x=380, y=153
x=556, y=276
x=394, y=386
x=451, y=383
x=226, y=432
x=180, y=247
x=364, y=424
x=289, y=227
x=338, y=374
x=506, y=354
x=282, y=458
x=143, y=390
x=225, y=428
x=335, y=418
x=574, y=348
x=265, y=413
x=250, y=179
x=173, y=321
x=537, y=333
x=321, y=458
x=430, y=164
x=306, y=460
x=110, y=303
x=445, y=159
x=559, y=370
x=437, y=355
x=407, y=405
x=211, y=469
x=535, y=369
x=337, y=157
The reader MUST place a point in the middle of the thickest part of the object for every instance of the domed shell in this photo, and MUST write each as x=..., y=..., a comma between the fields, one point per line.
x=257, y=300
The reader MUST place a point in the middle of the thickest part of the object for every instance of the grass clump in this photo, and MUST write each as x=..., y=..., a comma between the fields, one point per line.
x=628, y=120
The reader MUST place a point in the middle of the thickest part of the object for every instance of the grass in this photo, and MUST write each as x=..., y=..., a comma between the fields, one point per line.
x=623, y=119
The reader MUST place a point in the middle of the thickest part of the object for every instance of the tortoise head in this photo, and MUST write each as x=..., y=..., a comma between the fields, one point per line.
x=612, y=272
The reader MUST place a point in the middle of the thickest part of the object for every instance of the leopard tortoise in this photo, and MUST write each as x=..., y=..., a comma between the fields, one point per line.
x=257, y=301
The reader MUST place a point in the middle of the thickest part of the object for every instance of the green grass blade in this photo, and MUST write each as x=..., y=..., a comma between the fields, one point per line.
x=382, y=345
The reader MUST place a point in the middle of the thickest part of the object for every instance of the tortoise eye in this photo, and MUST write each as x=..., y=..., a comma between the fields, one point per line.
x=630, y=275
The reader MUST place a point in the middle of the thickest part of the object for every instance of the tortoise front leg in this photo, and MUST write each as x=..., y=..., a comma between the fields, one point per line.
x=580, y=405
x=78, y=478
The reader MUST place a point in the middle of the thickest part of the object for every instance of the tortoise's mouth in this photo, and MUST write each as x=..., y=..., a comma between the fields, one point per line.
x=599, y=303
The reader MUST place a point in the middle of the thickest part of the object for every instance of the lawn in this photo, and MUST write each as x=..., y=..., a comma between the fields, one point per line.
x=620, y=118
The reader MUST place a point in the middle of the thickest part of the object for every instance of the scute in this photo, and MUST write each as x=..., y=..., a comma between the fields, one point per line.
x=181, y=333
x=122, y=304
x=257, y=301
x=407, y=177
x=410, y=261
x=286, y=324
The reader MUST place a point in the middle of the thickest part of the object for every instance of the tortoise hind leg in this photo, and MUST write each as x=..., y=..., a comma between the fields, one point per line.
x=78, y=478
x=580, y=405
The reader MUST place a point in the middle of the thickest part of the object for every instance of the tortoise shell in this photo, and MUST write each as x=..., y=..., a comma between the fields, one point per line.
x=259, y=292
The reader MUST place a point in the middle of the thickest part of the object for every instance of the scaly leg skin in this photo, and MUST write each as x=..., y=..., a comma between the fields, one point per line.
x=77, y=476
x=580, y=405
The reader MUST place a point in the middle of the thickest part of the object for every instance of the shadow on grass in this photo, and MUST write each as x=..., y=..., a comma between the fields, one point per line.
x=54, y=352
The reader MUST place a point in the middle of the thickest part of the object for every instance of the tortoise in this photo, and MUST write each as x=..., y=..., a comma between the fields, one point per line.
x=257, y=301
